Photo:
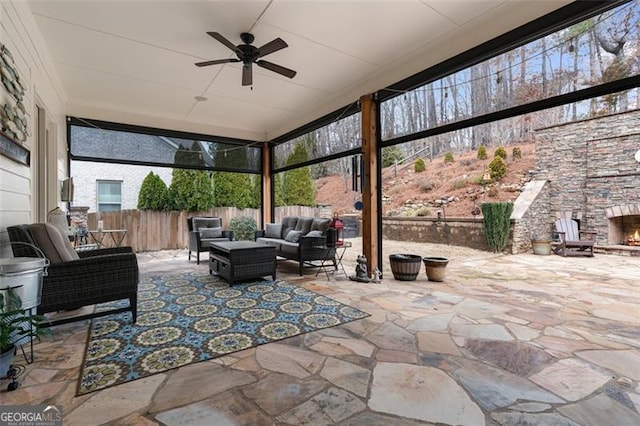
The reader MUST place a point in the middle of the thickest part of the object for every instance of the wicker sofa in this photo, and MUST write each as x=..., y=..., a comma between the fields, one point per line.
x=299, y=238
x=78, y=279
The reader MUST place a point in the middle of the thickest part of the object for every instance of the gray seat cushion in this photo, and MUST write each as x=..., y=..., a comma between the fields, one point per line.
x=276, y=242
x=206, y=241
x=287, y=247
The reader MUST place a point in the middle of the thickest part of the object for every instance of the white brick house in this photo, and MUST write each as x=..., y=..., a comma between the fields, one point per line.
x=89, y=177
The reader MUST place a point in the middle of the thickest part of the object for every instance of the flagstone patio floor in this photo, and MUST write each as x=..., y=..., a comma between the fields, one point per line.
x=504, y=340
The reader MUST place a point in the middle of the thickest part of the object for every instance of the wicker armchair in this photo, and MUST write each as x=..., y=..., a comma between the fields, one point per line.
x=75, y=279
x=204, y=230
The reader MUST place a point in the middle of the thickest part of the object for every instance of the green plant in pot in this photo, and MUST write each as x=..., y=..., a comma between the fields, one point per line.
x=15, y=324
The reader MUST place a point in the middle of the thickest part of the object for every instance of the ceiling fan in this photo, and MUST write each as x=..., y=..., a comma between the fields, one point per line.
x=249, y=55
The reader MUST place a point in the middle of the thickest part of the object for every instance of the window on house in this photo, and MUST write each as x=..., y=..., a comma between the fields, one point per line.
x=109, y=195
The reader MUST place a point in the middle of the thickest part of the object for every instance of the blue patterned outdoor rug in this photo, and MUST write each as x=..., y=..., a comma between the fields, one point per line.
x=189, y=318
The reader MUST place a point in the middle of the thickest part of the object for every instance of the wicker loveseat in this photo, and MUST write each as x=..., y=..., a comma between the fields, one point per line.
x=304, y=239
x=79, y=279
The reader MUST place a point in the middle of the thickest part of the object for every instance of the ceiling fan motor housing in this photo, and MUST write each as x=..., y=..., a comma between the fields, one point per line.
x=247, y=53
x=247, y=38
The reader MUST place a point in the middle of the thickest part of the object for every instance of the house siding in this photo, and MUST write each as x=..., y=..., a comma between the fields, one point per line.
x=19, y=33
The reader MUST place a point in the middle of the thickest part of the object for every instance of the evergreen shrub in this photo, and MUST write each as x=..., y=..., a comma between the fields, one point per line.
x=500, y=152
x=153, y=193
x=516, y=153
x=482, y=152
x=497, y=168
x=496, y=220
x=391, y=155
x=419, y=165
x=448, y=157
x=190, y=190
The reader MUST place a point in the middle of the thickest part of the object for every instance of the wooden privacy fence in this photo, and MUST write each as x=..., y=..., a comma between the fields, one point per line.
x=152, y=230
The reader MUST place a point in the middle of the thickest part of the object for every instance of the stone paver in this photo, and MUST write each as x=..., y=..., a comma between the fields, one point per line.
x=571, y=379
x=278, y=393
x=503, y=341
x=225, y=409
x=196, y=382
x=329, y=407
x=530, y=419
x=348, y=376
x=113, y=403
x=515, y=357
x=600, y=410
x=290, y=360
x=625, y=363
x=494, y=388
x=481, y=331
x=422, y=393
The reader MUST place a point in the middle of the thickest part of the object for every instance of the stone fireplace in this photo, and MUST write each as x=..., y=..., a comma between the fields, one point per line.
x=624, y=225
x=592, y=175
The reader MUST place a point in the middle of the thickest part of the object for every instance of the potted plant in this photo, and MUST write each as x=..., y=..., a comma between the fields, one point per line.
x=15, y=324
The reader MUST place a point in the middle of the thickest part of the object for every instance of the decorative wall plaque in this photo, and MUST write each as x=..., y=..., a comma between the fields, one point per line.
x=13, y=150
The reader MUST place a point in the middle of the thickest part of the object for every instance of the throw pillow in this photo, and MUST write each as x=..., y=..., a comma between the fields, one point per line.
x=314, y=234
x=53, y=244
x=210, y=233
x=321, y=224
x=293, y=236
x=273, y=230
x=304, y=224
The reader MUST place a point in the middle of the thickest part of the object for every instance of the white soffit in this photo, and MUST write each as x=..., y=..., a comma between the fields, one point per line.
x=133, y=61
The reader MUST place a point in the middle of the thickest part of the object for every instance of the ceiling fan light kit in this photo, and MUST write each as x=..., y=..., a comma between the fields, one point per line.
x=248, y=54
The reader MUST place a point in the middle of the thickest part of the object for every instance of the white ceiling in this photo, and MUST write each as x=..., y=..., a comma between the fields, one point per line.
x=132, y=61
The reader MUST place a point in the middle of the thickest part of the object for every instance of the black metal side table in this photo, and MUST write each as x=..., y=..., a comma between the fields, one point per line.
x=336, y=260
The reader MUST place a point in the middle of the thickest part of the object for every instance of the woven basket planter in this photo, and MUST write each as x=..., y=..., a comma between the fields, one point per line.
x=405, y=267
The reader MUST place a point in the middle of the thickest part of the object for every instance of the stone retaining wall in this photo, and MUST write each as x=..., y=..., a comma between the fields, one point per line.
x=464, y=232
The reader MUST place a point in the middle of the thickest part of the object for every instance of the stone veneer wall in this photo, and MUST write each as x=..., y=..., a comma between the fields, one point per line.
x=530, y=217
x=590, y=167
x=79, y=215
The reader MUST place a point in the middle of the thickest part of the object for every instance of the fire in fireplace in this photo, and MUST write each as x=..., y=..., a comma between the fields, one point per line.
x=625, y=230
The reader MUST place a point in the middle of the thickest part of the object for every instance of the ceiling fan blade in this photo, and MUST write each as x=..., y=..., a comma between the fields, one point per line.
x=272, y=46
x=247, y=78
x=222, y=39
x=277, y=68
x=216, y=62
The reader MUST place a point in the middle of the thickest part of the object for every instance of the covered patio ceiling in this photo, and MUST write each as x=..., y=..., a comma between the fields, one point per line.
x=133, y=61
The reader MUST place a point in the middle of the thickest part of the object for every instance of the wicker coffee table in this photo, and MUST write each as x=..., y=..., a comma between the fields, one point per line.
x=242, y=260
